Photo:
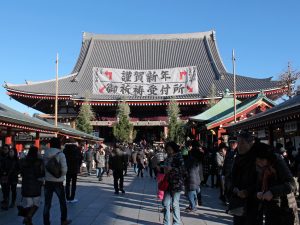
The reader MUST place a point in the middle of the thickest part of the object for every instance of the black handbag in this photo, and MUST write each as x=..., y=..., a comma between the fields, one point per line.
x=237, y=206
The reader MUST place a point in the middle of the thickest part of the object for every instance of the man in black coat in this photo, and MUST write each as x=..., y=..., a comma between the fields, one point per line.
x=88, y=157
x=244, y=181
x=227, y=168
x=117, y=163
x=73, y=157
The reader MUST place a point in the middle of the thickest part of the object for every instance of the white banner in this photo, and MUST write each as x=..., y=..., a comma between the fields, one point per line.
x=163, y=82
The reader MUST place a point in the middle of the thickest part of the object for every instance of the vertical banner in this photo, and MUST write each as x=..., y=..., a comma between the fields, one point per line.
x=163, y=82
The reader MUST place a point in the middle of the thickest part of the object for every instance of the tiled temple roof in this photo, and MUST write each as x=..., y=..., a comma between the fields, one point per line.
x=289, y=109
x=147, y=52
x=11, y=117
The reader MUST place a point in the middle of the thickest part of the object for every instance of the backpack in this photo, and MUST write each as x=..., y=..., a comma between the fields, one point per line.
x=53, y=166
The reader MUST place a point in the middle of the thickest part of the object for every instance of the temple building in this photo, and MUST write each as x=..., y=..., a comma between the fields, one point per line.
x=146, y=71
x=277, y=125
x=18, y=129
x=211, y=124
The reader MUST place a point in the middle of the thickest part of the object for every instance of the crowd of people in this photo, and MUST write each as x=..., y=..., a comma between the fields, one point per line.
x=256, y=182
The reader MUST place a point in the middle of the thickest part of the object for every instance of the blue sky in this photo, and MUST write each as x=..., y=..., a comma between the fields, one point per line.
x=265, y=34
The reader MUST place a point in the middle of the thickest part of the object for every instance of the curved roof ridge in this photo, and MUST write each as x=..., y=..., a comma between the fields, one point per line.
x=218, y=52
x=40, y=82
x=132, y=37
x=254, y=78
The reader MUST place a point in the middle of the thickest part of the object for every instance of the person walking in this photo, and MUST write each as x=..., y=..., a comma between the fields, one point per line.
x=220, y=158
x=214, y=167
x=107, y=158
x=73, y=156
x=88, y=158
x=32, y=171
x=117, y=162
x=4, y=170
x=9, y=169
x=244, y=180
x=134, y=160
x=227, y=168
x=140, y=158
x=175, y=172
x=206, y=166
x=55, y=185
x=193, y=178
x=100, y=162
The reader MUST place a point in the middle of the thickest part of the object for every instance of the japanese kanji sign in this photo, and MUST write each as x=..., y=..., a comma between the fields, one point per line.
x=163, y=82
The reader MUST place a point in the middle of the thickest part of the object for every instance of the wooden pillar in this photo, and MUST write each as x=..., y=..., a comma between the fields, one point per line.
x=219, y=136
x=220, y=132
x=37, y=140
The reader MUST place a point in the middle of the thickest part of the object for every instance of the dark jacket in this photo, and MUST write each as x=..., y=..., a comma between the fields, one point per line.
x=244, y=178
x=140, y=159
x=279, y=210
x=206, y=162
x=177, y=174
x=117, y=160
x=193, y=178
x=107, y=157
x=9, y=168
x=31, y=171
x=133, y=157
x=227, y=168
x=72, y=154
x=214, y=168
x=88, y=155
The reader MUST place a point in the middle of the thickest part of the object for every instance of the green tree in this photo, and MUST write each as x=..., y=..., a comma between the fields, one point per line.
x=123, y=129
x=176, y=131
x=84, y=118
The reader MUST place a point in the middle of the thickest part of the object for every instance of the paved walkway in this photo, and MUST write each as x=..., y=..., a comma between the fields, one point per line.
x=99, y=206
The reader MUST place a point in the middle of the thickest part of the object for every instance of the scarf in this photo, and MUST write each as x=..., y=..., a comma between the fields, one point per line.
x=268, y=172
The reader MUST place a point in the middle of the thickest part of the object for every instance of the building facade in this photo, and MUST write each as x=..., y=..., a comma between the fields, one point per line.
x=146, y=71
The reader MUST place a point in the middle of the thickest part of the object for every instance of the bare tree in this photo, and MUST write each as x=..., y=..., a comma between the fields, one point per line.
x=212, y=95
x=288, y=79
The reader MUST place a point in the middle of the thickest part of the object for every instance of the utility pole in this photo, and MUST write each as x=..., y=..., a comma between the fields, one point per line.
x=290, y=81
x=234, y=85
x=56, y=92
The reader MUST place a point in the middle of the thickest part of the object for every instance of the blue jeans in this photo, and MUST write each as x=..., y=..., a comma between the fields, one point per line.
x=192, y=197
x=59, y=190
x=167, y=201
x=135, y=167
x=99, y=172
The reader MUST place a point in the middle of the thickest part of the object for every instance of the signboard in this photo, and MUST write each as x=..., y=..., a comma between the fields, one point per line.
x=23, y=137
x=140, y=83
x=290, y=127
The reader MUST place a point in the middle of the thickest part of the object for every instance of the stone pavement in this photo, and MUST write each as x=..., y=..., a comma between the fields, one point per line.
x=99, y=206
